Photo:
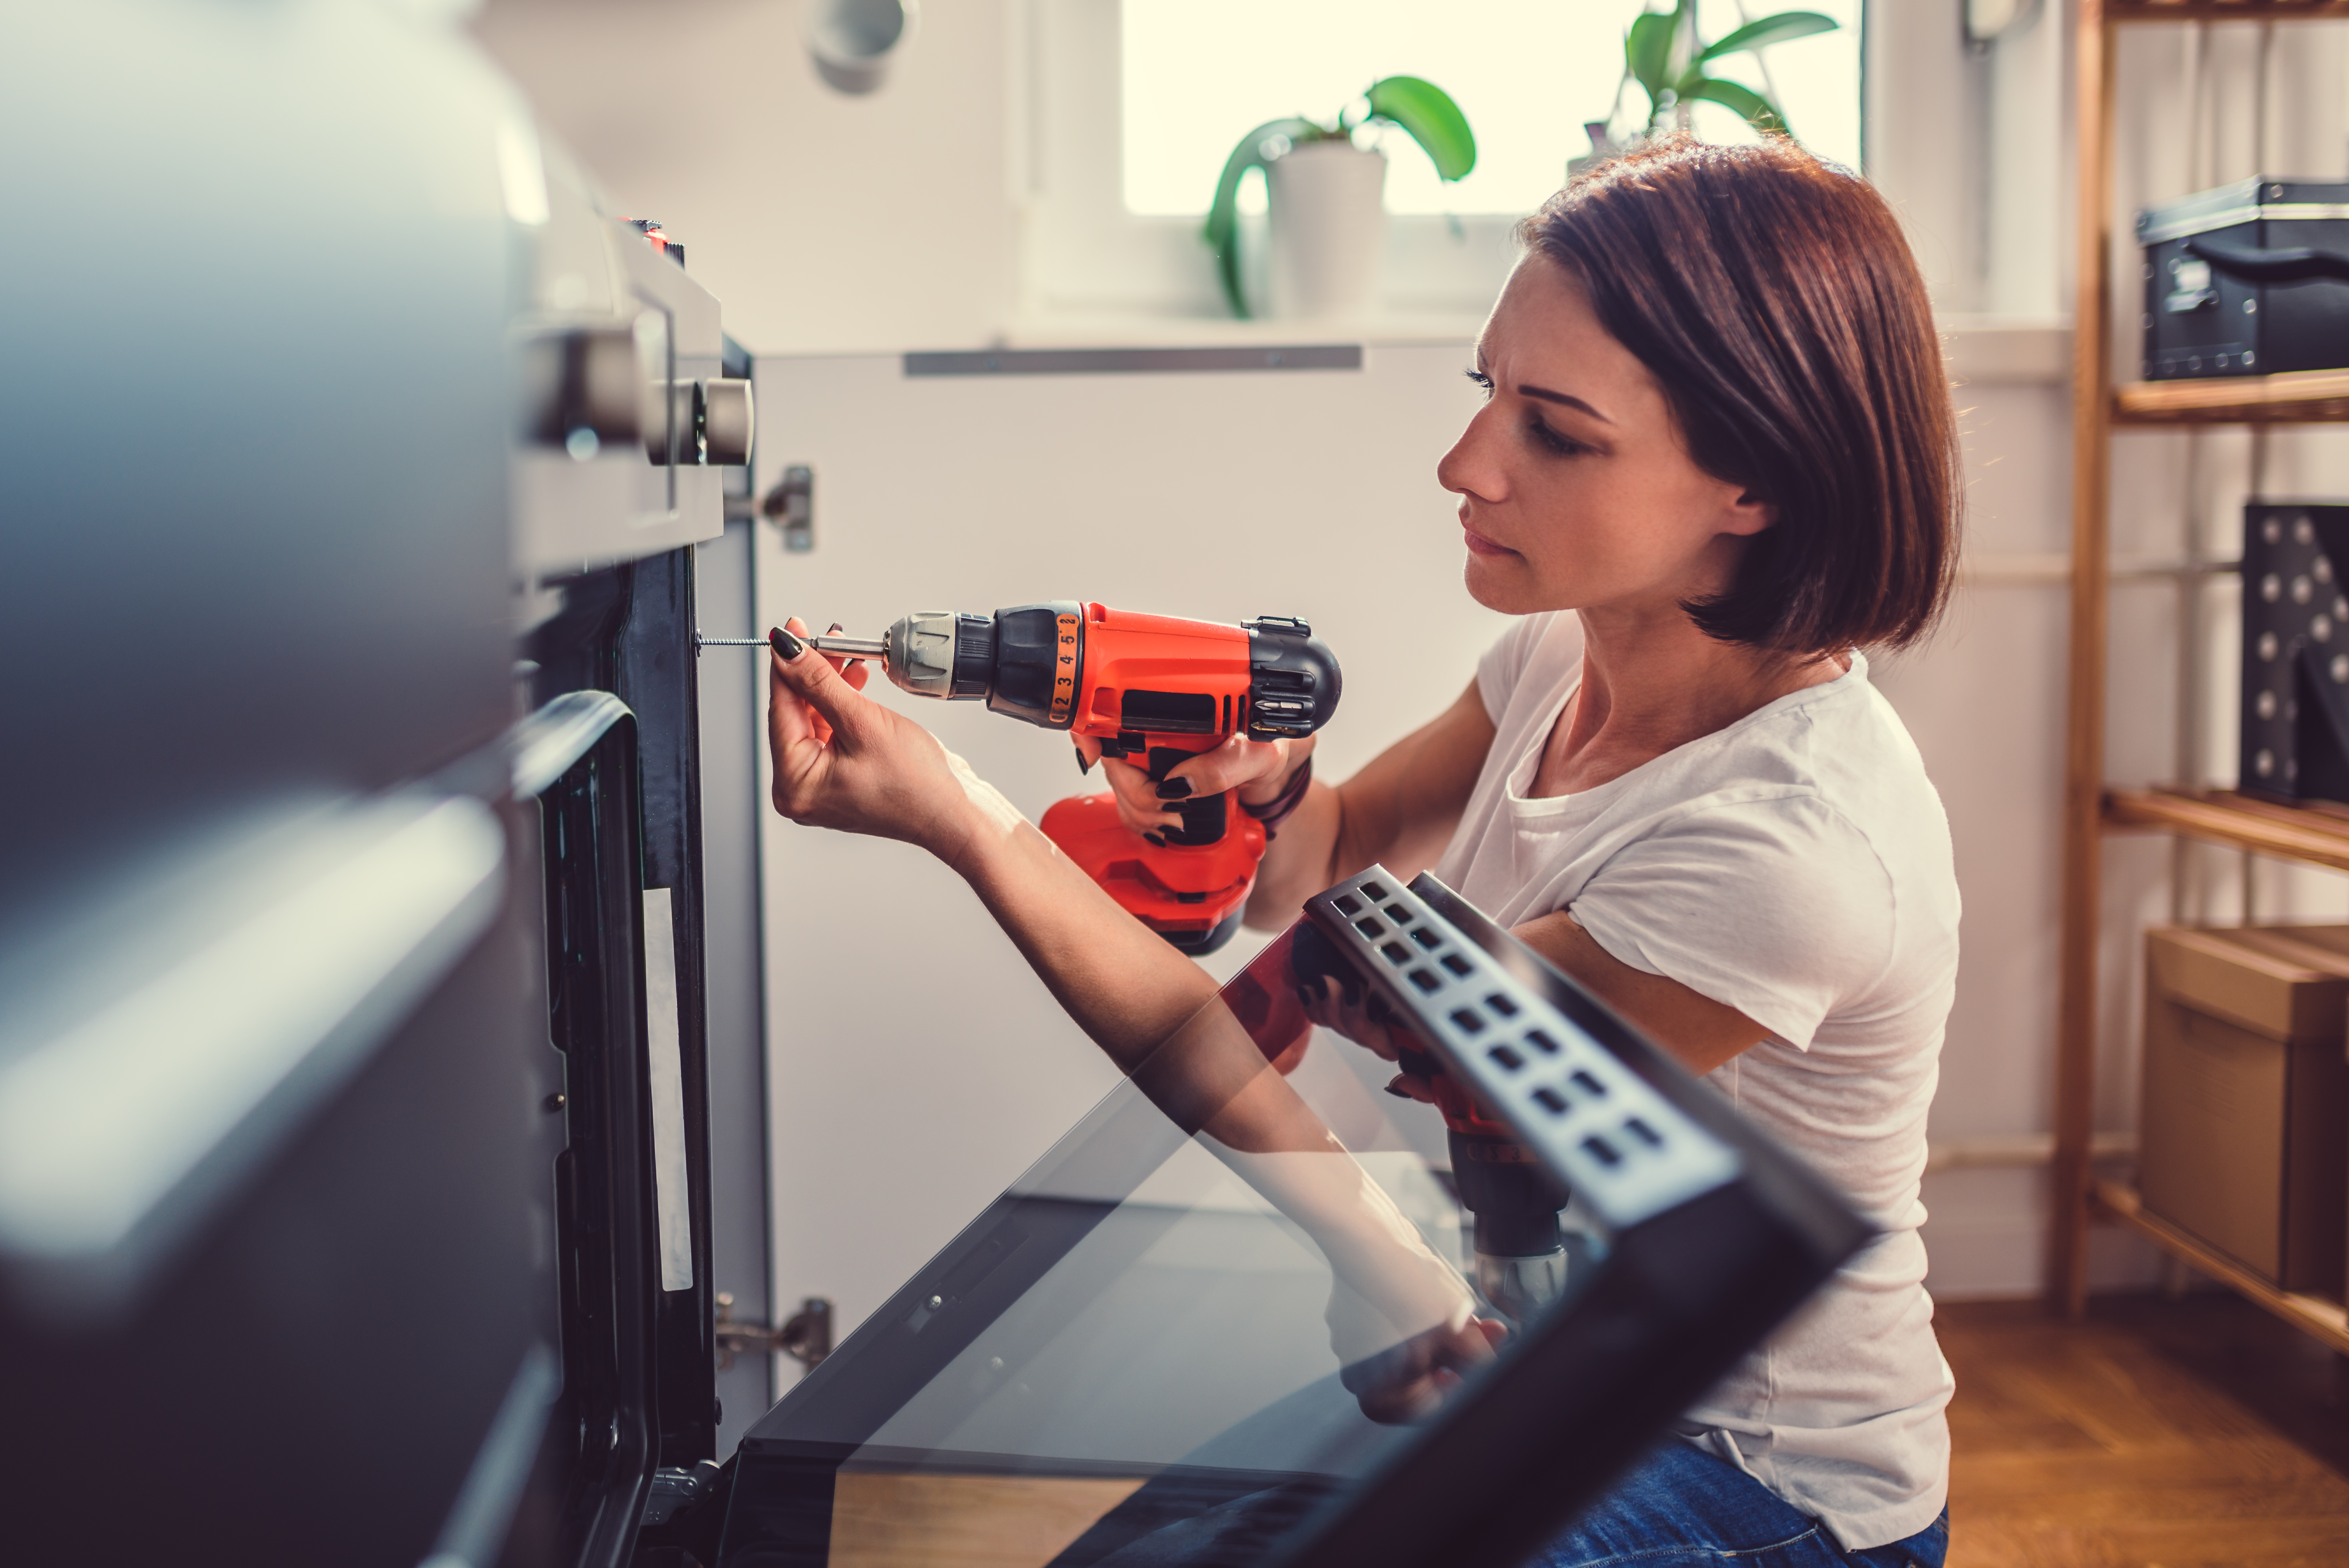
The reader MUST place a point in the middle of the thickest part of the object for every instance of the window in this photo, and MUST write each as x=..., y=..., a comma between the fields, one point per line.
x=1528, y=74
x=1134, y=105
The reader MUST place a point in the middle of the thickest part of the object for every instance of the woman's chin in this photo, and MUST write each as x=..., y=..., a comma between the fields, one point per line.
x=1500, y=582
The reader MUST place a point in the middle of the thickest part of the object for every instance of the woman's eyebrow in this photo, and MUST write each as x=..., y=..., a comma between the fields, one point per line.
x=1547, y=396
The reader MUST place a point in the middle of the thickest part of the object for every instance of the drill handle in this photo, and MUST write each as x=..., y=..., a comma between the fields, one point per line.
x=1206, y=817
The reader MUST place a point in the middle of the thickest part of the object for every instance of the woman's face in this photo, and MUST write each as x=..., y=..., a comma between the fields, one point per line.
x=1576, y=489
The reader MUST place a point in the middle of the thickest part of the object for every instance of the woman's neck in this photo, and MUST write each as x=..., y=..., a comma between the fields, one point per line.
x=1652, y=681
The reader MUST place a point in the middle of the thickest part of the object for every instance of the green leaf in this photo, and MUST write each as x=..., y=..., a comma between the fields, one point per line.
x=1222, y=232
x=1648, y=50
x=1781, y=28
x=1759, y=111
x=1428, y=114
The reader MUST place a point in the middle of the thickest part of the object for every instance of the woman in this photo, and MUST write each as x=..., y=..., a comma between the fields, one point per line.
x=1716, y=460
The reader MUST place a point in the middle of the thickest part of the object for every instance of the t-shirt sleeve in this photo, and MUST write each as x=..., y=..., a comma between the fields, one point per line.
x=1504, y=664
x=1778, y=908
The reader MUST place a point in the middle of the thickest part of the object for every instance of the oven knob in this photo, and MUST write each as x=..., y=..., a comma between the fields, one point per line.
x=726, y=421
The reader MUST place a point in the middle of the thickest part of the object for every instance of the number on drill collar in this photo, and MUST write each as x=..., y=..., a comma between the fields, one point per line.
x=1064, y=673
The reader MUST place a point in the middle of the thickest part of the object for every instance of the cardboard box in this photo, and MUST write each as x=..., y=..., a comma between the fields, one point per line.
x=2245, y=1137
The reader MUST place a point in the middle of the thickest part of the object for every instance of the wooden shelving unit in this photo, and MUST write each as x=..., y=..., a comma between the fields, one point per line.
x=2314, y=1315
x=2314, y=836
x=2306, y=397
x=2311, y=835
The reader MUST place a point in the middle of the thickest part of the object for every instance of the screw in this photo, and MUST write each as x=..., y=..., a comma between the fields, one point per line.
x=936, y=1302
x=557, y=1102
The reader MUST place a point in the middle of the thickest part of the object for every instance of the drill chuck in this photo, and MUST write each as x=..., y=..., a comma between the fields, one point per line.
x=940, y=653
x=1021, y=663
x=1520, y=1249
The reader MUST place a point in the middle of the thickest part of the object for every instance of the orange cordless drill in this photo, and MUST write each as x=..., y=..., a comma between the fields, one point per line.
x=1151, y=688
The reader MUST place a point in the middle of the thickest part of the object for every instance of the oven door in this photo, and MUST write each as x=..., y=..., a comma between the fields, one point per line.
x=1224, y=1321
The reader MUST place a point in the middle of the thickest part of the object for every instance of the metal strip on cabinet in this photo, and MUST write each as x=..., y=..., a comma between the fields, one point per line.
x=664, y=1066
x=1134, y=361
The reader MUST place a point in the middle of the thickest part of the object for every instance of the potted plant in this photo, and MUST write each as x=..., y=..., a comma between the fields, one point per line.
x=1663, y=52
x=1328, y=196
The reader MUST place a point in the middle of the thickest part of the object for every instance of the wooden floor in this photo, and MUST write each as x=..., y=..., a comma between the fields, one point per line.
x=2157, y=1434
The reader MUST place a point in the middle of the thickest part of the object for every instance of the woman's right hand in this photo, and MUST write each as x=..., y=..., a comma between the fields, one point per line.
x=844, y=762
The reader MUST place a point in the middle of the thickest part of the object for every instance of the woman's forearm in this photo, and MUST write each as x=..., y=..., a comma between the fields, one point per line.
x=1399, y=812
x=1299, y=862
x=1150, y=1008
x=1126, y=987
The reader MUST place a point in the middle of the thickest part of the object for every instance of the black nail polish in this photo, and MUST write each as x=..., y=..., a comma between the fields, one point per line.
x=1175, y=789
x=1084, y=765
x=1154, y=838
x=784, y=643
x=1399, y=1091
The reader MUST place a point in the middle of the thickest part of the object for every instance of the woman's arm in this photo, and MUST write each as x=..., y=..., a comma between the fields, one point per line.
x=1699, y=1032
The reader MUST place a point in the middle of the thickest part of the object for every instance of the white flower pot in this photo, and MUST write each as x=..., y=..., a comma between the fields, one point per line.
x=1329, y=221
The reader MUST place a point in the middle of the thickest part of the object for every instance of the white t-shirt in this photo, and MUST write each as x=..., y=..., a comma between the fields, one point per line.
x=1796, y=866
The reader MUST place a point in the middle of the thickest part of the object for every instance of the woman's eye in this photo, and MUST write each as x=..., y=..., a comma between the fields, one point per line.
x=1483, y=383
x=1563, y=445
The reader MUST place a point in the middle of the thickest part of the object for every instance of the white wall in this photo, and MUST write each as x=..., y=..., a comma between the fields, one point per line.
x=825, y=223
x=899, y=221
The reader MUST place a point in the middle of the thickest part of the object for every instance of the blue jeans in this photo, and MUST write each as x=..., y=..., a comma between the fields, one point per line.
x=1684, y=1508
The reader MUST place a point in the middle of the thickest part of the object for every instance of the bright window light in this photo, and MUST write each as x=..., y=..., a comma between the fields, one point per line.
x=1199, y=74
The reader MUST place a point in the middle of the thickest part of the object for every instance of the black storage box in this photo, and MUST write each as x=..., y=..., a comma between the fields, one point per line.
x=2249, y=279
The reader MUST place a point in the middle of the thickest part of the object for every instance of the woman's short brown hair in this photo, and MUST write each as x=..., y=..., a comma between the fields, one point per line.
x=1773, y=297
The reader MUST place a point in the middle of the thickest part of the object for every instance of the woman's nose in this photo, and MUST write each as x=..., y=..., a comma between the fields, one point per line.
x=1471, y=468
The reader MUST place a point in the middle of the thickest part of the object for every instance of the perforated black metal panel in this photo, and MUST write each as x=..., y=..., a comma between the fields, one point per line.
x=1622, y=1147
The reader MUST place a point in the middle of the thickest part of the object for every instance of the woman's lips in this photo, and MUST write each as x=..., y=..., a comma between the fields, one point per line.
x=1480, y=545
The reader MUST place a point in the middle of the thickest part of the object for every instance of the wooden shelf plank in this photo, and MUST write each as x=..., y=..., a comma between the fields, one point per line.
x=2304, y=396
x=2313, y=1315
x=2306, y=834
x=2222, y=10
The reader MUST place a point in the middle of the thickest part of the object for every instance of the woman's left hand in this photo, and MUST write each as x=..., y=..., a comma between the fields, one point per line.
x=1365, y=1018
x=1259, y=770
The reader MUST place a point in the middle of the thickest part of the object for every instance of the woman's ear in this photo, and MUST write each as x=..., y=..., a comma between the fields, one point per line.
x=1748, y=515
